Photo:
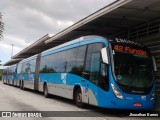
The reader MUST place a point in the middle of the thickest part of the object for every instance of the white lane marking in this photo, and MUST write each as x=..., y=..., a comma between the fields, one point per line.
x=93, y=115
x=2, y=87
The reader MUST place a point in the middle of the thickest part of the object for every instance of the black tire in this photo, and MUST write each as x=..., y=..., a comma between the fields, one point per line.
x=13, y=82
x=22, y=85
x=78, y=98
x=7, y=82
x=45, y=90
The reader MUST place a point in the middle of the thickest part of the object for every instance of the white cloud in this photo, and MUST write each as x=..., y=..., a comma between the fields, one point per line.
x=18, y=42
x=37, y=15
x=5, y=52
x=64, y=23
x=28, y=20
x=5, y=46
x=8, y=48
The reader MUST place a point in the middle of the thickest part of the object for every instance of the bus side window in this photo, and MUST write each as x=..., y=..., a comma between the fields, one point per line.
x=78, y=69
x=19, y=68
x=23, y=68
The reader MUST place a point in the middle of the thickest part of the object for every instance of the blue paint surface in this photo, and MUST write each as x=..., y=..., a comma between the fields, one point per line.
x=104, y=99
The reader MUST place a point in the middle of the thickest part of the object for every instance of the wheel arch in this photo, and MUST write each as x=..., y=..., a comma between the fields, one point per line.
x=44, y=83
x=76, y=87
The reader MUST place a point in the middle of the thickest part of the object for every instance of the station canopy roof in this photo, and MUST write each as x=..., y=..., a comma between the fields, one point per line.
x=116, y=17
x=12, y=62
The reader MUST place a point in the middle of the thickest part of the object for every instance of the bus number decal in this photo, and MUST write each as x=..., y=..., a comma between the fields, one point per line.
x=63, y=77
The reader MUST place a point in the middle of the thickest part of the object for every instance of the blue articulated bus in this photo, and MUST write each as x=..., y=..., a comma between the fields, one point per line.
x=109, y=73
x=4, y=75
x=10, y=74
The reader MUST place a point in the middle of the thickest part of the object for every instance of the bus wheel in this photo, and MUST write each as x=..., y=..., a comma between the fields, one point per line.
x=7, y=82
x=45, y=89
x=22, y=85
x=13, y=82
x=78, y=98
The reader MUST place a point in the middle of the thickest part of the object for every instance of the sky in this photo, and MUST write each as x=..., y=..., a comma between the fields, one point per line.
x=25, y=21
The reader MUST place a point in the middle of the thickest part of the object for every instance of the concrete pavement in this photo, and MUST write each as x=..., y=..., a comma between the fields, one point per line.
x=14, y=99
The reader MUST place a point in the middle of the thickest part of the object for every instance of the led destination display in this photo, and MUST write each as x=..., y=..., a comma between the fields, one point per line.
x=130, y=50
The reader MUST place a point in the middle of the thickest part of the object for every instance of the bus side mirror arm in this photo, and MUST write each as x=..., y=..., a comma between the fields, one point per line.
x=104, y=54
x=154, y=63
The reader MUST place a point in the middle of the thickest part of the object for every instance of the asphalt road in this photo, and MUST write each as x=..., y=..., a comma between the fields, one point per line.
x=14, y=99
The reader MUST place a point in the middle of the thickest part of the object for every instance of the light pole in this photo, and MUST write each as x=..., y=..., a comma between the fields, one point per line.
x=12, y=51
x=0, y=71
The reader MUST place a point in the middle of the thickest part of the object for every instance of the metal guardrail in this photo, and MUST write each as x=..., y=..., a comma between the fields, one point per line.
x=141, y=30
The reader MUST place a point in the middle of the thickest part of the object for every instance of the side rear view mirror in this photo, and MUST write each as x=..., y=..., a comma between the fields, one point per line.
x=154, y=63
x=104, y=55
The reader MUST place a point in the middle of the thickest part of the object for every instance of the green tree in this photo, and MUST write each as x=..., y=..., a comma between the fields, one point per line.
x=77, y=70
x=1, y=27
x=0, y=74
x=46, y=69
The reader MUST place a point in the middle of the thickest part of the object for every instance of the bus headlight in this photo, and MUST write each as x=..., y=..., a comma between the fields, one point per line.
x=116, y=92
x=152, y=96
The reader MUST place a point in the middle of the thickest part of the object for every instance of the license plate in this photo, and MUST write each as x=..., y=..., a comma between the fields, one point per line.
x=137, y=104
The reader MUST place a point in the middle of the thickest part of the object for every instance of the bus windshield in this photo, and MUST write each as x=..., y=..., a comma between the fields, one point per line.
x=133, y=70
